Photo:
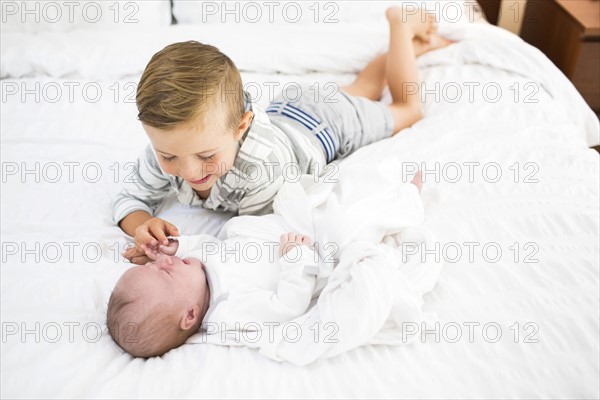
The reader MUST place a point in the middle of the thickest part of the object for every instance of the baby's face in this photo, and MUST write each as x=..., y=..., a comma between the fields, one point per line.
x=171, y=280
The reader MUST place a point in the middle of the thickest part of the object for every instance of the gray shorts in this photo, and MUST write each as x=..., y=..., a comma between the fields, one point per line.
x=342, y=123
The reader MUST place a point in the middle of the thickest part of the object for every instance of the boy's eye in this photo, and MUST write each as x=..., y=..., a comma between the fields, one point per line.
x=168, y=158
x=206, y=158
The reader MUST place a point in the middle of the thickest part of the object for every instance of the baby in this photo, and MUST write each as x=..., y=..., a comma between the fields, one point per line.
x=156, y=307
x=238, y=281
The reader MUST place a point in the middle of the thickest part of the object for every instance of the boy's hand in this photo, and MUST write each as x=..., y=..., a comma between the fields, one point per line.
x=154, y=232
x=154, y=252
x=289, y=241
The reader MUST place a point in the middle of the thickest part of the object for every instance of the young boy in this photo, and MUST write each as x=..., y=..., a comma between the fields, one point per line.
x=217, y=150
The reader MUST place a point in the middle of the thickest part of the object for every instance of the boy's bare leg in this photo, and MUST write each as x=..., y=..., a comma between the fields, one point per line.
x=371, y=81
x=401, y=67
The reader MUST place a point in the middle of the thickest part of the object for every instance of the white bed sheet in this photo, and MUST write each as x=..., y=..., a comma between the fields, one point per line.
x=558, y=295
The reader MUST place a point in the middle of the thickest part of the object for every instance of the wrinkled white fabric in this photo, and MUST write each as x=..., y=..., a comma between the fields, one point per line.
x=367, y=289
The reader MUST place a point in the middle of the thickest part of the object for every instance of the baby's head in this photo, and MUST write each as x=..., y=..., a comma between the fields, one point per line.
x=191, y=103
x=156, y=307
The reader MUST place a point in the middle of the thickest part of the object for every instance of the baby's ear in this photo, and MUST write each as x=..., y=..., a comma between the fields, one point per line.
x=189, y=319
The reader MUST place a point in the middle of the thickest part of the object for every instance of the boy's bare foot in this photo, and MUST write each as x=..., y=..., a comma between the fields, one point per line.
x=435, y=42
x=394, y=14
x=421, y=24
x=418, y=180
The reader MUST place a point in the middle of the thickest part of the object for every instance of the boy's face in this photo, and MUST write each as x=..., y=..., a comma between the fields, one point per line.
x=179, y=283
x=200, y=151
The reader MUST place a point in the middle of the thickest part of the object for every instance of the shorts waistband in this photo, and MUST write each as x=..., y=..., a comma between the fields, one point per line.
x=320, y=130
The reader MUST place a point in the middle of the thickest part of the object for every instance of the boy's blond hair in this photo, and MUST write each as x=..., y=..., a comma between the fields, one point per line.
x=152, y=336
x=181, y=83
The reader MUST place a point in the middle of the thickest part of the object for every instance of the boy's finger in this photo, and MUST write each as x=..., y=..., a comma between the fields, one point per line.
x=172, y=229
x=146, y=238
x=159, y=234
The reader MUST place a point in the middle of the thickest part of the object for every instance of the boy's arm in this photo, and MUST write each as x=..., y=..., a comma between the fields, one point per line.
x=132, y=221
x=141, y=193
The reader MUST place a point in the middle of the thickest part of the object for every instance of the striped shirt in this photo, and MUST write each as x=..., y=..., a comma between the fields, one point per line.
x=268, y=155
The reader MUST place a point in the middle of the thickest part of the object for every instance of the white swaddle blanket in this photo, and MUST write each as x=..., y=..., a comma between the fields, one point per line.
x=358, y=217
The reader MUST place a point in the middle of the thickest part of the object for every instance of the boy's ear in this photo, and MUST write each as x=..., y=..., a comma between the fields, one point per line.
x=244, y=124
x=189, y=318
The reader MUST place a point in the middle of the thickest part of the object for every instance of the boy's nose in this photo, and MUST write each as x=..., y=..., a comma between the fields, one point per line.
x=190, y=171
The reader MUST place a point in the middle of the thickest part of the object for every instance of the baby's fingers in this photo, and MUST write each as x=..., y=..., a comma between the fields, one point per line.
x=128, y=250
x=170, y=249
x=140, y=260
x=150, y=251
x=133, y=253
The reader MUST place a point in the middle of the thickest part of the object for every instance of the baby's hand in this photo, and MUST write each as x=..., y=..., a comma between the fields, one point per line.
x=136, y=256
x=150, y=253
x=154, y=252
x=289, y=241
x=154, y=232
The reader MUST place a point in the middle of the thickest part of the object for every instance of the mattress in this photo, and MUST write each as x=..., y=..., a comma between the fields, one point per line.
x=511, y=192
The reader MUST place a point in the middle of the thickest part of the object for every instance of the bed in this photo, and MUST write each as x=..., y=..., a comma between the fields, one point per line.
x=511, y=193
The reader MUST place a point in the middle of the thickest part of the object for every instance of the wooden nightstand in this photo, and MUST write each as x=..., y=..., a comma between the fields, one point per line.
x=568, y=32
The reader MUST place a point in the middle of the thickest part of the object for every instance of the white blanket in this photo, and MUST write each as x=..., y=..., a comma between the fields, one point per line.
x=349, y=213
